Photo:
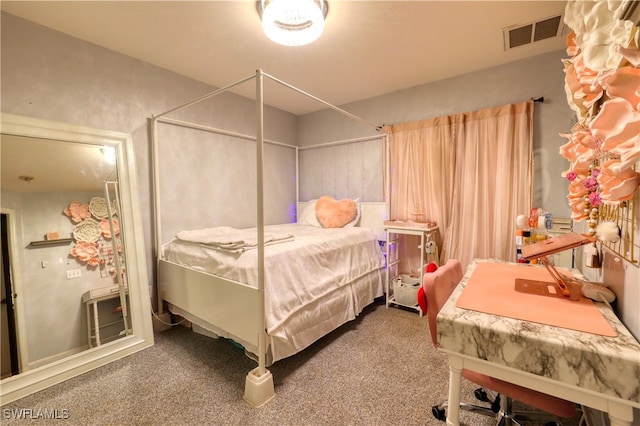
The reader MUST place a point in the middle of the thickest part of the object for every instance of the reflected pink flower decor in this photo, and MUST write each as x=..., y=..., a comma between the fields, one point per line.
x=91, y=235
x=77, y=212
x=106, y=229
x=86, y=252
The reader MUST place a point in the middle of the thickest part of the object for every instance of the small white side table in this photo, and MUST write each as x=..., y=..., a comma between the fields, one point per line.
x=426, y=232
x=91, y=299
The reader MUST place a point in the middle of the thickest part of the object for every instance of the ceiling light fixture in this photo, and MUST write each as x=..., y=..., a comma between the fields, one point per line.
x=293, y=22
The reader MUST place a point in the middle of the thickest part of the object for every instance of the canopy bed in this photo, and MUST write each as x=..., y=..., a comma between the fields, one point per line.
x=274, y=289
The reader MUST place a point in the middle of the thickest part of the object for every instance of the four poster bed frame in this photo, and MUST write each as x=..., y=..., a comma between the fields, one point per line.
x=236, y=308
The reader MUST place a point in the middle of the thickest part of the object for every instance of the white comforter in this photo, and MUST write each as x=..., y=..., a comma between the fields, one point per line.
x=315, y=263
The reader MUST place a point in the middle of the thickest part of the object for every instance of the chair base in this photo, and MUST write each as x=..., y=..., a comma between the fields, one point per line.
x=501, y=409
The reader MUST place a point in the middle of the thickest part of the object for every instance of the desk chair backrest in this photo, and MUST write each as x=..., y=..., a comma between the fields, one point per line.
x=438, y=286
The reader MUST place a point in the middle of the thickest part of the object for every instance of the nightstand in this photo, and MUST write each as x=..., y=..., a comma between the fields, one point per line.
x=427, y=233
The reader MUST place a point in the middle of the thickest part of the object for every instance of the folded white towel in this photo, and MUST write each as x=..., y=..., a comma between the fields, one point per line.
x=231, y=239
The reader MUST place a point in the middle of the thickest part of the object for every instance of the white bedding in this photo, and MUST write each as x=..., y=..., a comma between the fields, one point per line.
x=231, y=239
x=298, y=273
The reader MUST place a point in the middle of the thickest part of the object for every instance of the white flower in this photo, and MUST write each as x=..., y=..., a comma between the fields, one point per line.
x=98, y=208
x=88, y=230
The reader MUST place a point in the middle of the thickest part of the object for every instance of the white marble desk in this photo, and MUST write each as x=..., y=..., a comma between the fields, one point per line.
x=589, y=369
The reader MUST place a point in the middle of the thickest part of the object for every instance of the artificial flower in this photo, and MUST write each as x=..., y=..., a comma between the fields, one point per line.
x=591, y=184
x=98, y=207
x=88, y=230
x=106, y=229
x=594, y=199
x=597, y=31
x=623, y=83
x=630, y=54
x=617, y=185
x=618, y=125
x=571, y=176
x=85, y=252
x=77, y=212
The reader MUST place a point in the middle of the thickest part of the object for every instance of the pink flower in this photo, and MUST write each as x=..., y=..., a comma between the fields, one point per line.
x=571, y=176
x=615, y=184
x=106, y=229
x=77, y=212
x=591, y=183
x=595, y=173
x=85, y=252
x=594, y=199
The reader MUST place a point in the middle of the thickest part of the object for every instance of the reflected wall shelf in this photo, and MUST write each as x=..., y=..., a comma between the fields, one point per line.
x=45, y=243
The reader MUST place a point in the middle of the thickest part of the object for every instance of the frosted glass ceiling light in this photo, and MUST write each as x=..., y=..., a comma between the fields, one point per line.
x=293, y=22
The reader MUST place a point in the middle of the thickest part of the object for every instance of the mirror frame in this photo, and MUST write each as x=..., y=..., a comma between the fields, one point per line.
x=31, y=381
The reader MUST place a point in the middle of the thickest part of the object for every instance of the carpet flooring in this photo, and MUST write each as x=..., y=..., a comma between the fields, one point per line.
x=380, y=369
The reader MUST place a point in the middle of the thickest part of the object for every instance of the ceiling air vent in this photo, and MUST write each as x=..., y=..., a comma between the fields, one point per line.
x=520, y=35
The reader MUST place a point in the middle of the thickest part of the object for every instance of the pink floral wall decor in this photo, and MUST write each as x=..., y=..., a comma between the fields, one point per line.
x=77, y=212
x=92, y=234
x=602, y=84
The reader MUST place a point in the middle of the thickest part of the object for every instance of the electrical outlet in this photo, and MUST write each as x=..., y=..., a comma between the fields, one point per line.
x=74, y=273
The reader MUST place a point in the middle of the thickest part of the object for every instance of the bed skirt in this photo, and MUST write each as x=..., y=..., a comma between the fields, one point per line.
x=308, y=324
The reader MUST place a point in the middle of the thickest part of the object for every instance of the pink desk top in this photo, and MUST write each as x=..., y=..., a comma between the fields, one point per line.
x=491, y=289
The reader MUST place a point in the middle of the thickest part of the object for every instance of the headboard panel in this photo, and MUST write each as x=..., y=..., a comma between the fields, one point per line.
x=372, y=215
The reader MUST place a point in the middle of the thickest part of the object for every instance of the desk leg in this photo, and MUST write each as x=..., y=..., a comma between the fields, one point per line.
x=89, y=339
x=453, y=405
x=96, y=322
x=620, y=414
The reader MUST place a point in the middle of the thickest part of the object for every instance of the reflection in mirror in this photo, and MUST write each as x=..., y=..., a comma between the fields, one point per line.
x=64, y=247
x=70, y=231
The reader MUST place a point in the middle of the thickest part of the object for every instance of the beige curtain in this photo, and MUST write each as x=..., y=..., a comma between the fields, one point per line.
x=471, y=173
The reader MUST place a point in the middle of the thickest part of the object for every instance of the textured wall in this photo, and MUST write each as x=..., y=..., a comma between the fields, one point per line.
x=352, y=170
x=49, y=75
x=514, y=82
x=46, y=74
x=54, y=319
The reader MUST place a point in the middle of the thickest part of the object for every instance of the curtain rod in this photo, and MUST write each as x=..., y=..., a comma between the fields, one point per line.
x=536, y=100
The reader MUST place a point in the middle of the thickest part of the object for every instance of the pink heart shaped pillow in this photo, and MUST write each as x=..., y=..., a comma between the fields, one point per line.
x=335, y=214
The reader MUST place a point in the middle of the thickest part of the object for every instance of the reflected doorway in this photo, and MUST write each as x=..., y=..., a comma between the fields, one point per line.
x=9, y=342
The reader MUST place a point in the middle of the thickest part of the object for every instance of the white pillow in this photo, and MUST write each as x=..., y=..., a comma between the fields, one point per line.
x=308, y=214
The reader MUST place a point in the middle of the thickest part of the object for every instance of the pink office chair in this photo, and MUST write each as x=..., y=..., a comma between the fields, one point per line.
x=437, y=287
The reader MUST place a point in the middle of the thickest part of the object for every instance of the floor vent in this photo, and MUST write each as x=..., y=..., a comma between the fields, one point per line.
x=520, y=35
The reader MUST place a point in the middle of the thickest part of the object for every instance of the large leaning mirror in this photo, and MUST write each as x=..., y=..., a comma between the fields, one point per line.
x=75, y=291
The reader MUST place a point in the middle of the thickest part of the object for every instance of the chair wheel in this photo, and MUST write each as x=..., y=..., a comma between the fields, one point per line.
x=438, y=413
x=495, y=405
x=481, y=395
